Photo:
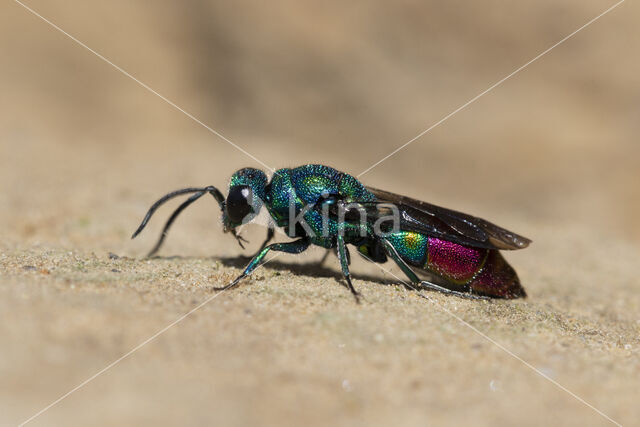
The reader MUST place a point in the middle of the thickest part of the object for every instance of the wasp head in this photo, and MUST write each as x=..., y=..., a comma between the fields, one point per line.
x=246, y=195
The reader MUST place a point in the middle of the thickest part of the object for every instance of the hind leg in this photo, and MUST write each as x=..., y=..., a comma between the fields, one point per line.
x=415, y=280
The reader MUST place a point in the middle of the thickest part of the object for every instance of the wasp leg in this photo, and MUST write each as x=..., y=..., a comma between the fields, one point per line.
x=343, y=256
x=270, y=234
x=391, y=251
x=294, y=247
x=467, y=295
x=239, y=238
x=328, y=252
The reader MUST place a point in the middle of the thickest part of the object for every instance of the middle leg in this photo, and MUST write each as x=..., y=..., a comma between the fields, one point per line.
x=344, y=263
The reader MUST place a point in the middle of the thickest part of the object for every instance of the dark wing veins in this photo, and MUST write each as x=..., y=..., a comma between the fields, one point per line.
x=448, y=224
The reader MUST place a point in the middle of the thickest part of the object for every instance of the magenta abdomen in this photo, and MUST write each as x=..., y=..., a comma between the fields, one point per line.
x=454, y=262
x=485, y=271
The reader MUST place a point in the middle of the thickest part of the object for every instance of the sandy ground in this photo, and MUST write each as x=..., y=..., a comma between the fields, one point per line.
x=84, y=151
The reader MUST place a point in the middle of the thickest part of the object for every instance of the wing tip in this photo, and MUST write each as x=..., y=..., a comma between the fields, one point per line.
x=523, y=243
x=510, y=242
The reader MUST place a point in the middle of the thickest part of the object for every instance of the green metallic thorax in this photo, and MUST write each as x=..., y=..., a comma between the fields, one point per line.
x=308, y=185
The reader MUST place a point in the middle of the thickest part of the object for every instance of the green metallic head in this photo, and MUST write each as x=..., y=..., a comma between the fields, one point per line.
x=245, y=198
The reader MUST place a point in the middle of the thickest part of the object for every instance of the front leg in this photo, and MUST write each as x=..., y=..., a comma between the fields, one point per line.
x=294, y=247
x=270, y=233
x=344, y=263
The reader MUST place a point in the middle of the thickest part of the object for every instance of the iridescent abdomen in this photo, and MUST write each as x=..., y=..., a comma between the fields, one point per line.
x=412, y=247
x=456, y=263
x=482, y=270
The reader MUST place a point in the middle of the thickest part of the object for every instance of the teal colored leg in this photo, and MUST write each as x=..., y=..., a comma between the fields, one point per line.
x=393, y=254
x=344, y=263
x=294, y=247
x=326, y=255
x=270, y=233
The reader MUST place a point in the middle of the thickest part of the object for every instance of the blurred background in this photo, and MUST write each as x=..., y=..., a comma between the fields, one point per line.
x=552, y=153
x=340, y=84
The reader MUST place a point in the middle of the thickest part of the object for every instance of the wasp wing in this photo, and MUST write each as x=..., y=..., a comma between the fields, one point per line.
x=447, y=224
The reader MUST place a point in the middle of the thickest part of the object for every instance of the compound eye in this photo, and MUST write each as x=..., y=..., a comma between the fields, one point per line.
x=239, y=203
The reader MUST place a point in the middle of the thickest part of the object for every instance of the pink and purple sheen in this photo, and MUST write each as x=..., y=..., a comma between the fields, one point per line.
x=498, y=278
x=485, y=271
x=455, y=262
